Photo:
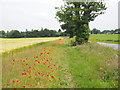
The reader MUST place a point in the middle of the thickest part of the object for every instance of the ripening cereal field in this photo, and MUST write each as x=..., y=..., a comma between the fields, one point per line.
x=56, y=64
x=10, y=44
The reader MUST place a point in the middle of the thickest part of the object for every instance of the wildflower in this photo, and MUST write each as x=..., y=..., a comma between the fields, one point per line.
x=52, y=76
x=52, y=70
x=48, y=53
x=13, y=81
x=44, y=86
x=29, y=76
x=26, y=64
x=34, y=68
x=54, y=64
x=47, y=75
x=36, y=56
x=23, y=86
x=18, y=81
x=13, y=60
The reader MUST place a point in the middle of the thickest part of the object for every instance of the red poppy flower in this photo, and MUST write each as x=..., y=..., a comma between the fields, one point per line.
x=47, y=60
x=25, y=73
x=23, y=60
x=30, y=85
x=44, y=86
x=38, y=62
x=35, y=60
x=36, y=75
x=29, y=76
x=26, y=58
x=42, y=75
x=34, y=68
x=26, y=64
x=22, y=73
x=29, y=67
x=39, y=73
x=13, y=63
x=47, y=75
x=52, y=70
x=20, y=60
x=48, y=66
x=13, y=60
x=54, y=64
x=23, y=86
x=44, y=63
x=35, y=78
x=41, y=54
x=29, y=72
x=34, y=64
x=49, y=80
x=36, y=56
x=52, y=76
x=13, y=81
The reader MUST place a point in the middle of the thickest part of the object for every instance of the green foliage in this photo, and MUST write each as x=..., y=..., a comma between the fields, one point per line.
x=14, y=34
x=76, y=17
x=2, y=33
x=73, y=41
x=33, y=33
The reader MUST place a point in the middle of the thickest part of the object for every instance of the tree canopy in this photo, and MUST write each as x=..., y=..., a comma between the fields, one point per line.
x=76, y=17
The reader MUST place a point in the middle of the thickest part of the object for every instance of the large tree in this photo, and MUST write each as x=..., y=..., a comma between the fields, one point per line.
x=76, y=17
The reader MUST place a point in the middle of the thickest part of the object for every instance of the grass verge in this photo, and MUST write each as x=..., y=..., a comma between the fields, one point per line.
x=57, y=65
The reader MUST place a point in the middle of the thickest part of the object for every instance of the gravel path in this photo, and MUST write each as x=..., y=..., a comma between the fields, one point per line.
x=114, y=46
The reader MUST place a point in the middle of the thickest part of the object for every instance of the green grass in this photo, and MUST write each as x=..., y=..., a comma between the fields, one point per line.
x=84, y=66
x=107, y=38
x=93, y=66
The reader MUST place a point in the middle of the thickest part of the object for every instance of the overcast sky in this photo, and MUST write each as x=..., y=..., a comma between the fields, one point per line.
x=34, y=14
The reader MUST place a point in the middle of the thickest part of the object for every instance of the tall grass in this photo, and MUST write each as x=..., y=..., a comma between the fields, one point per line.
x=93, y=66
x=85, y=66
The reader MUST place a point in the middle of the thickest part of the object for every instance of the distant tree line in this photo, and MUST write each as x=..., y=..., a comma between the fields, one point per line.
x=33, y=33
x=96, y=31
